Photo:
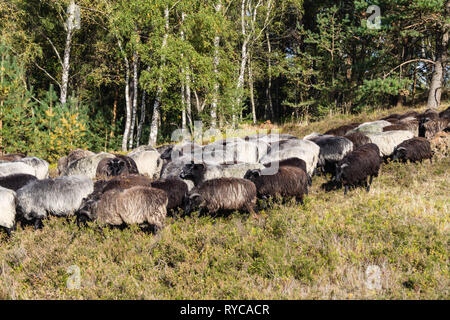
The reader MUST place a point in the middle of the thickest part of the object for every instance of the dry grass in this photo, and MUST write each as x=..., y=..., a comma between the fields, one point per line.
x=320, y=251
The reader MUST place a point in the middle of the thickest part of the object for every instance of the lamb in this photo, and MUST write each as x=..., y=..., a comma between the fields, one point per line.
x=16, y=181
x=8, y=210
x=200, y=172
x=86, y=166
x=415, y=149
x=60, y=197
x=358, y=165
x=342, y=130
x=176, y=190
x=358, y=139
x=136, y=205
x=9, y=168
x=41, y=166
x=222, y=194
x=387, y=141
x=118, y=166
x=12, y=157
x=332, y=149
x=287, y=182
x=147, y=160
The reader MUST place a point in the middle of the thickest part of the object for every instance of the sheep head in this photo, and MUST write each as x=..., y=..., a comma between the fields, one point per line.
x=192, y=202
x=340, y=171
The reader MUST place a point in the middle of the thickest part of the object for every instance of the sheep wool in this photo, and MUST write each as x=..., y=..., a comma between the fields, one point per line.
x=8, y=209
x=60, y=196
x=387, y=141
x=8, y=168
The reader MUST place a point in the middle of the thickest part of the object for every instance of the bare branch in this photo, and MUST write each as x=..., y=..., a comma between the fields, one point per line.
x=407, y=62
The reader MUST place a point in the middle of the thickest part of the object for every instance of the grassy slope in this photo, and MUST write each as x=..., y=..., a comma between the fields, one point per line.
x=321, y=250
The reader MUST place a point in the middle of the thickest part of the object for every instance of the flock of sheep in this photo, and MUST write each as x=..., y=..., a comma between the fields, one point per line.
x=226, y=175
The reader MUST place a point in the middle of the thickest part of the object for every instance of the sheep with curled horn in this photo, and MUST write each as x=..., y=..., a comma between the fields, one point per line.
x=61, y=197
x=357, y=166
x=8, y=210
x=144, y=206
x=286, y=182
x=415, y=149
x=16, y=181
x=358, y=139
x=221, y=195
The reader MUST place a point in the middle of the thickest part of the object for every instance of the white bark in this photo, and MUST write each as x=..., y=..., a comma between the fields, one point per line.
x=70, y=27
x=156, y=106
x=135, y=98
x=126, y=132
x=183, y=97
x=252, y=96
x=141, y=120
x=216, y=61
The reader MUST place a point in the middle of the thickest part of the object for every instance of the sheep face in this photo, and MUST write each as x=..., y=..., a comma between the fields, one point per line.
x=252, y=174
x=192, y=203
x=115, y=167
x=192, y=171
x=340, y=172
x=399, y=153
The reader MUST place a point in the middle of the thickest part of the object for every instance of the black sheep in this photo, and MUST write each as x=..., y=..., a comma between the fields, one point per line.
x=175, y=188
x=287, y=182
x=445, y=114
x=16, y=181
x=415, y=149
x=359, y=164
x=118, y=166
x=291, y=162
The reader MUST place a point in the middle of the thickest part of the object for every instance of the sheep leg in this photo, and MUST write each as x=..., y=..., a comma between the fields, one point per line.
x=346, y=189
x=8, y=232
x=38, y=224
x=309, y=180
x=300, y=199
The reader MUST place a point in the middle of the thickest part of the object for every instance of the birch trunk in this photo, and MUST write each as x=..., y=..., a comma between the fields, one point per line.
x=135, y=98
x=269, y=108
x=215, y=98
x=157, y=104
x=71, y=25
x=183, y=91
x=250, y=83
x=126, y=132
x=141, y=120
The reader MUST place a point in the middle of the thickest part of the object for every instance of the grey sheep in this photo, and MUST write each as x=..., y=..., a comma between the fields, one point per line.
x=59, y=197
x=41, y=166
x=8, y=168
x=222, y=194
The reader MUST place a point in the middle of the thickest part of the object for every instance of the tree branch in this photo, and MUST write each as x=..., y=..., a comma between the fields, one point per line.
x=407, y=62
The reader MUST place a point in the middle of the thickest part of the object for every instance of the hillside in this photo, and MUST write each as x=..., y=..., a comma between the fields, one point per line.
x=325, y=249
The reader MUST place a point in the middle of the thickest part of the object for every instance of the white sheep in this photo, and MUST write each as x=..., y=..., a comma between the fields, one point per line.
x=7, y=168
x=371, y=127
x=148, y=161
x=41, y=166
x=8, y=209
x=388, y=140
